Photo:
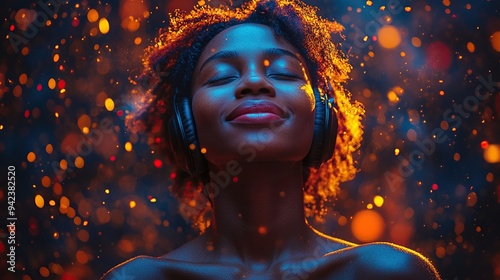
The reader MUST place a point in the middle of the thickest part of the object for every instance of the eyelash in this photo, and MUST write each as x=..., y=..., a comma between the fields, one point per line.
x=219, y=80
x=285, y=76
x=223, y=80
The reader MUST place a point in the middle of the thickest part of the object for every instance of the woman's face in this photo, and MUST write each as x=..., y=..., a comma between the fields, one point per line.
x=251, y=98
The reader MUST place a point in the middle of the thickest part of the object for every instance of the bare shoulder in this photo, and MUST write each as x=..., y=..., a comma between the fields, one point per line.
x=335, y=258
x=377, y=260
x=196, y=250
x=132, y=269
x=384, y=260
x=144, y=267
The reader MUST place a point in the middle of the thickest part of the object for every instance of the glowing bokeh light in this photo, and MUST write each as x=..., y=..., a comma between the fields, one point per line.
x=262, y=230
x=439, y=56
x=389, y=37
x=109, y=104
x=471, y=199
x=492, y=153
x=471, y=47
x=31, y=157
x=46, y=181
x=158, y=163
x=342, y=220
x=84, y=121
x=39, y=201
x=103, y=25
x=23, y=79
x=484, y=144
x=63, y=164
x=92, y=15
x=79, y=162
x=51, y=83
x=367, y=225
x=44, y=271
x=128, y=147
x=495, y=41
x=378, y=201
x=81, y=257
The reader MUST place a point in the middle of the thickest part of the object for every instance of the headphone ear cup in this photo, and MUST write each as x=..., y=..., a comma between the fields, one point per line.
x=183, y=139
x=325, y=132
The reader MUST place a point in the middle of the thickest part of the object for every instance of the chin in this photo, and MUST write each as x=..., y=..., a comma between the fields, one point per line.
x=247, y=152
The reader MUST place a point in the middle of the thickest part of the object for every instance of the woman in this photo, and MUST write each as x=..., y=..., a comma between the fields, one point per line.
x=246, y=105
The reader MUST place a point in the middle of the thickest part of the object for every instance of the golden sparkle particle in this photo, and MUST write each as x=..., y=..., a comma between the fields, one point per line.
x=39, y=201
x=103, y=25
x=79, y=162
x=31, y=157
x=378, y=201
x=49, y=149
x=109, y=104
x=92, y=15
x=128, y=147
x=389, y=37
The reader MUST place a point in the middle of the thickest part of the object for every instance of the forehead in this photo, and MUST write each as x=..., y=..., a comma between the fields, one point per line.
x=247, y=38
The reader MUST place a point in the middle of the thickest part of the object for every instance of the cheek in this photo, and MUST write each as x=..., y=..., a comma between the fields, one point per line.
x=290, y=141
x=305, y=118
x=209, y=129
x=205, y=115
x=305, y=129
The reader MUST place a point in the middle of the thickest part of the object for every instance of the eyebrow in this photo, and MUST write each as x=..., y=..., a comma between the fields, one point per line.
x=232, y=55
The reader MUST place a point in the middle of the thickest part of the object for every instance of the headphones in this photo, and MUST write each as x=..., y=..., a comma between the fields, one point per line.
x=183, y=140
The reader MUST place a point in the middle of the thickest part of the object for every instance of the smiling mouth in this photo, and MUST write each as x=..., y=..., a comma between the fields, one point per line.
x=257, y=112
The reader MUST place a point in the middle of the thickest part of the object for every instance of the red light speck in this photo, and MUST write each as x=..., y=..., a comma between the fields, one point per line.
x=435, y=187
x=39, y=87
x=67, y=276
x=33, y=226
x=75, y=22
x=173, y=175
x=12, y=27
x=484, y=144
x=112, y=158
x=61, y=84
x=157, y=140
x=235, y=179
x=27, y=113
x=157, y=163
x=119, y=113
x=439, y=56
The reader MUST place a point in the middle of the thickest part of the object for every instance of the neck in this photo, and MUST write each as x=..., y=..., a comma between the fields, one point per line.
x=260, y=215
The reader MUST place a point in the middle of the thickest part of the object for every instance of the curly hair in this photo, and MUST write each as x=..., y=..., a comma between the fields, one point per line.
x=170, y=63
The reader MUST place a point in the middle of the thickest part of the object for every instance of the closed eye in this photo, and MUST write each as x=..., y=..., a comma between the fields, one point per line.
x=285, y=76
x=216, y=81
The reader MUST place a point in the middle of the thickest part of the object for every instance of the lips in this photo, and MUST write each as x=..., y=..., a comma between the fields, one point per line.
x=256, y=112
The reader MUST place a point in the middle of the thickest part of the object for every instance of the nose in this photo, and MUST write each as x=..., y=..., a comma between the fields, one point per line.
x=255, y=84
